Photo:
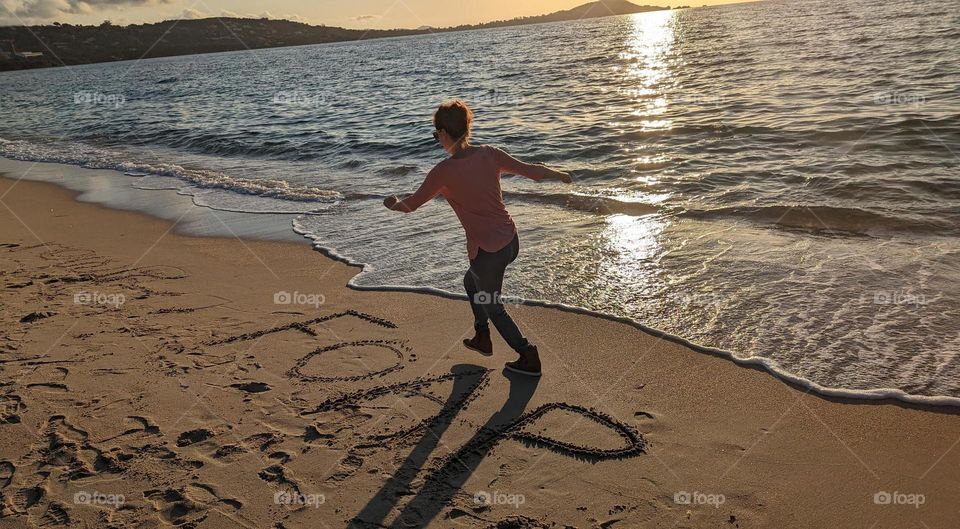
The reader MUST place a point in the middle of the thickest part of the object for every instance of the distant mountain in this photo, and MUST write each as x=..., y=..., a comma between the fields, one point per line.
x=600, y=8
x=58, y=44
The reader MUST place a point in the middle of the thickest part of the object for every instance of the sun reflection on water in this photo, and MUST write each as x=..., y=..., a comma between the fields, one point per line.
x=650, y=43
x=633, y=248
x=632, y=244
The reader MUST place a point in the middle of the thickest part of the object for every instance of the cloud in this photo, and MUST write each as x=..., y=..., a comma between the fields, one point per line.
x=366, y=17
x=36, y=9
x=266, y=14
x=193, y=14
x=49, y=9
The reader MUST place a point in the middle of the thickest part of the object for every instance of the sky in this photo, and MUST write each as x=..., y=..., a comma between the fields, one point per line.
x=346, y=13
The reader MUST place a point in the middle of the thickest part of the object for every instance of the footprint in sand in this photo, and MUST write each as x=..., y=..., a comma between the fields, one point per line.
x=23, y=499
x=281, y=457
x=55, y=516
x=6, y=473
x=69, y=450
x=174, y=507
x=189, y=505
x=140, y=425
x=36, y=316
x=347, y=467
x=11, y=406
x=311, y=433
x=192, y=437
x=259, y=441
x=48, y=386
x=164, y=454
x=208, y=495
x=252, y=387
x=287, y=485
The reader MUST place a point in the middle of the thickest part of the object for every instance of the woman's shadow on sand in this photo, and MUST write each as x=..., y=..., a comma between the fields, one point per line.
x=442, y=484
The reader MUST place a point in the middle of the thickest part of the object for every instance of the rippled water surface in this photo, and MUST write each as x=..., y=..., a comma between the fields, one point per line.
x=775, y=179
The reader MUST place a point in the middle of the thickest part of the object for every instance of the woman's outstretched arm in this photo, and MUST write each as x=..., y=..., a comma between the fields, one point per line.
x=430, y=188
x=509, y=164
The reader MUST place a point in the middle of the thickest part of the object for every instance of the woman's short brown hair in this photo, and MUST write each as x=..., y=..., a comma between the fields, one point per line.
x=456, y=118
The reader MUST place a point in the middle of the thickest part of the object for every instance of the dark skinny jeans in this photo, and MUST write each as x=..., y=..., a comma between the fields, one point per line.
x=484, y=282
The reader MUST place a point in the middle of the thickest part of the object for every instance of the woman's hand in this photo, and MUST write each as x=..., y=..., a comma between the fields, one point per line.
x=563, y=177
x=390, y=201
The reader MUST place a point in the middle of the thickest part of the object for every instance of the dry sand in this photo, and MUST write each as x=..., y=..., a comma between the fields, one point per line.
x=200, y=402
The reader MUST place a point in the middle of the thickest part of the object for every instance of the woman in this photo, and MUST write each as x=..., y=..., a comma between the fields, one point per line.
x=470, y=181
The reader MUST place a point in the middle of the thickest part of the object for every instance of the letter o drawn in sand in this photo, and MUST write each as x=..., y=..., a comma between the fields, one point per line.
x=389, y=345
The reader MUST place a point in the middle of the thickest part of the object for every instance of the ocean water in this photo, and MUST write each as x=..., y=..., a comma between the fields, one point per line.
x=776, y=180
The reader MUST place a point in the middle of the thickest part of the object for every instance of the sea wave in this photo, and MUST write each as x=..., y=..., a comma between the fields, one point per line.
x=598, y=204
x=826, y=219
x=98, y=158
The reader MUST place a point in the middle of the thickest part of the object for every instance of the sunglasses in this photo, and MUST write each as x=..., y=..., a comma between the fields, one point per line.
x=436, y=134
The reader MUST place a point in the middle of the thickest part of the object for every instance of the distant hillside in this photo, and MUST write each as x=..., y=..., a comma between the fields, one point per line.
x=600, y=8
x=73, y=44
x=89, y=44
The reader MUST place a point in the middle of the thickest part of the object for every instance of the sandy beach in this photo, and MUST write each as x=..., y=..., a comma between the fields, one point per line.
x=152, y=379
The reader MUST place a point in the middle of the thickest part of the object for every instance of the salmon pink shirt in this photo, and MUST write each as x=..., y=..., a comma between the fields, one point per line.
x=472, y=187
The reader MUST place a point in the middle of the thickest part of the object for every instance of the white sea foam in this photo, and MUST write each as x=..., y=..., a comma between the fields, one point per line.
x=308, y=198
